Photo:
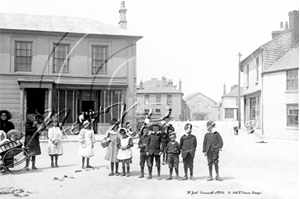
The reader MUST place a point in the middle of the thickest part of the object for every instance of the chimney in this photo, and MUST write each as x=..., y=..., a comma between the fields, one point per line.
x=233, y=87
x=122, y=11
x=224, y=89
x=164, y=81
x=141, y=85
x=294, y=26
x=276, y=33
x=179, y=84
x=286, y=26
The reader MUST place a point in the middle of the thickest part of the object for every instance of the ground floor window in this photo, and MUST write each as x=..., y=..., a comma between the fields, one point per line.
x=292, y=114
x=229, y=113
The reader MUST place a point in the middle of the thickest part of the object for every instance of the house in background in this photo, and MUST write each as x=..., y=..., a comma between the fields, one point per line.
x=158, y=95
x=229, y=108
x=202, y=107
x=63, y=62
x=260, y=73
x=281, y=97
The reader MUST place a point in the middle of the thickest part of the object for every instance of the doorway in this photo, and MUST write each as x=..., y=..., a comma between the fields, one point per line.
x=87, y=105
x=35, y=100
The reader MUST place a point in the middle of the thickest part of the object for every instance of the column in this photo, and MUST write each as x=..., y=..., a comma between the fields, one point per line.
x=21, y=109
x=50, y=98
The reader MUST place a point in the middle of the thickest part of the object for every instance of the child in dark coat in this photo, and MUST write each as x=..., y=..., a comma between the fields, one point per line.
x=173, y=151
x=188, y=145
x=212, y=144
x=142, y=145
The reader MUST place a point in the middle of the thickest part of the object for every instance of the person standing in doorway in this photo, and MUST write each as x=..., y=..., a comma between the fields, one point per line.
x=212, y=144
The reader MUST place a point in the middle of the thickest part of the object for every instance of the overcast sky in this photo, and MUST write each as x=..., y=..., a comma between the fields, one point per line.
x=190, y=40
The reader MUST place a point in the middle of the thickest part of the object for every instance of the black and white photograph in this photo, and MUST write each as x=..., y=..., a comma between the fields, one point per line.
x=149, y=99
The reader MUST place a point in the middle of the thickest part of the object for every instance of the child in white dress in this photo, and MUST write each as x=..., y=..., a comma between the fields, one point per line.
x=124, y=153
x=54, y=143
x=86, y=143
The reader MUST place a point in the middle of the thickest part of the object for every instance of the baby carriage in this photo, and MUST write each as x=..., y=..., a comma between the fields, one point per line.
x=12, y=156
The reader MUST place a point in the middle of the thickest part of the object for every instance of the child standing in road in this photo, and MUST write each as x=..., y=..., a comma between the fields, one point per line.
x=86, y=140
x=54, y=144
x=142, y=145
x=173, y=151
x=188, y=145
x=212, y=144
x=124, y=153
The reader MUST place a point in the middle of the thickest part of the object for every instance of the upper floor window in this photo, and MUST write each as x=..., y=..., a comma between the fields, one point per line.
x=157, y=110
x=158, y=98
x=169, y=99
x=292, y=114
x=146, y=99
x=99, y=59
x=23, y=56
x=292, y=80
x=247, y=74
x=257, y=71
x=60, y=58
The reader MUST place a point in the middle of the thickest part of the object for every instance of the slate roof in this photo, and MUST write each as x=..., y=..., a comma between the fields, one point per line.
x=154, y=90
x=289, y=61
x=273, y=50
x=12, y=21
x=234, y=92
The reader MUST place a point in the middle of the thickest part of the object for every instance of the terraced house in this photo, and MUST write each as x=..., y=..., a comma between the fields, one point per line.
x=63, y=62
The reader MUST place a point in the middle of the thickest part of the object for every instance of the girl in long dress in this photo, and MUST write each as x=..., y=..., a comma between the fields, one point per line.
x=112, y=149
x=86, y=144
x=54, y=143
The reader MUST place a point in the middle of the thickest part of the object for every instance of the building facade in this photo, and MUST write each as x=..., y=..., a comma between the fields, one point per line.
x=202, y=107
x=230, y=105
x=257, y=85
x=50, y=62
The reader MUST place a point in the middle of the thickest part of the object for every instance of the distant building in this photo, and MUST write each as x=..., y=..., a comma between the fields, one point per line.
x=202, y=107
x=159, y=95
x=229, y=107
x=271, y=82
x=64, y=62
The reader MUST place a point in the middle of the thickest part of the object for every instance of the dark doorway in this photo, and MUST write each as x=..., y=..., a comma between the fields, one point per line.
x=87, y=105
x=35, y=100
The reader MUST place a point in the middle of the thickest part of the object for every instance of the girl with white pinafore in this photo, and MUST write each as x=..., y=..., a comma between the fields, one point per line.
x=124, y=153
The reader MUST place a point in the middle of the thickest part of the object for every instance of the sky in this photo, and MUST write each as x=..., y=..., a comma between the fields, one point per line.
x=194, y=41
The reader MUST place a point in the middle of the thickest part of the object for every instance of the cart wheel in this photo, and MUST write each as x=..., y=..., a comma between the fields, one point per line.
x=14, y=160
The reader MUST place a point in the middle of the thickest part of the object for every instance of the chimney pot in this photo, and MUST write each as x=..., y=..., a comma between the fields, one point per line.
x=122, y=11
x=286, y=26
x=281, y=25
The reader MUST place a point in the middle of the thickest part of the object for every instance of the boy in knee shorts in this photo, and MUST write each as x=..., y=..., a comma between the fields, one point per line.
x=173, y=151
x=142, y=145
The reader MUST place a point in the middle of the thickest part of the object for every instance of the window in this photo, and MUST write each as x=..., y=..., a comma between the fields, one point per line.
x=157, y=110
x=158, y=98
x=292, y=115
x=99, y=59
x=23, y=56
x=247, y=71
x=252, y=108
x=146, y=110
x=146, y=99
x=60, y=58
x=169, y=99
x=229, y=113
x=292, y=80
x=257, y=65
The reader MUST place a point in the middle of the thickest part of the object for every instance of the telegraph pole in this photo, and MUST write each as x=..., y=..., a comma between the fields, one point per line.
x=239, y=92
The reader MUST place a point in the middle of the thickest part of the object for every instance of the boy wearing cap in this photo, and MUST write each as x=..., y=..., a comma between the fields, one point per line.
x=142, y=145
x=188, y=145
x=153, y=149
x=173, y=151
x=212, y=144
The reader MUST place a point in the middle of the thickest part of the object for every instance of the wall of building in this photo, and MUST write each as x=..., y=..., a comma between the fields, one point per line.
x=253, y=84
x=275, y=100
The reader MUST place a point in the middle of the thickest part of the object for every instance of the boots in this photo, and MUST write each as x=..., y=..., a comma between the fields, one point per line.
x=142, y=173
x=33, y=163
x=150, y=173
x=219, y=178
x=158, y=173
x=123, y=173
x=210, y=178
x=170, y=177
x=185, y=174
x=191, y=174
x=128, y=171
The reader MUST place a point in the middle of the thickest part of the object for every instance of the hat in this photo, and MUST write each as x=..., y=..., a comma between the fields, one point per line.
x=210, y=124
x=7, y=113
x=15, y=132
x=86, y=122
x=122, y=131
x=154, y=124
x=172, y=134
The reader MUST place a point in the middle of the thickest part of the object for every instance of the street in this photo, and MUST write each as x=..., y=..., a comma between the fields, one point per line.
x=249, y=170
